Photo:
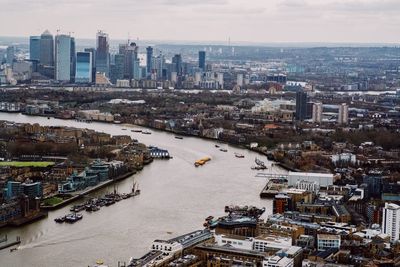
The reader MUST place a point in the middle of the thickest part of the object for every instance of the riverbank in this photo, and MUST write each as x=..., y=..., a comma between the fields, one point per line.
x=79, y=195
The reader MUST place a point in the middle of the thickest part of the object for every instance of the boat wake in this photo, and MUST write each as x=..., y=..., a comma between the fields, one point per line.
x=53, y=243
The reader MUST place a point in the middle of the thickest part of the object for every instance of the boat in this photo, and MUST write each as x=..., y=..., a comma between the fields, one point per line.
x=73, y=217
x=123, y=129
x=209, y=218
x=217, y=146
x=146, y=132
x=239, y=155
x=136, y=130
x=202, y=161
x=258, y=168
x=60, y=219
x=179, y=137
x=223, y=150
x=13, y=249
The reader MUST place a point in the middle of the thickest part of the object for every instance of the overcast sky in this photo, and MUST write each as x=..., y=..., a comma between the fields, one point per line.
x=369, y=21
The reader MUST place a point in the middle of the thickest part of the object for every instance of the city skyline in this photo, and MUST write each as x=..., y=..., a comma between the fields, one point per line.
x=217, y=20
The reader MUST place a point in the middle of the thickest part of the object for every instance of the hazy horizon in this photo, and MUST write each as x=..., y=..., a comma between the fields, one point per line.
x=251, y=21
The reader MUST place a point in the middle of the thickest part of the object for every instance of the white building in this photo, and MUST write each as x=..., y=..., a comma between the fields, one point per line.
x=317, y=113
x=276, y=261
x=322, y=179
x=391, y=221
x=63, y=57
x=239, y=79
x=343, y=115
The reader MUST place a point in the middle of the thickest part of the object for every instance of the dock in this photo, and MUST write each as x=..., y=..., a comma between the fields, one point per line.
x=4, y=244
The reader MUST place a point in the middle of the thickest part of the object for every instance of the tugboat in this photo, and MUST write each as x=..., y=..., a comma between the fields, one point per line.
x=223, y=150
x=179, y=137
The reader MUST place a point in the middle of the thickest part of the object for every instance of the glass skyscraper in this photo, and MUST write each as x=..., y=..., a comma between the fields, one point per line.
x=102, y=53
x=301, y=105
x=149, y=60
x=63, y=58
x=202, y=60
x=177, y=64
x=34, y=48
x=46, y=49
x=117, y=72
x=83, y=73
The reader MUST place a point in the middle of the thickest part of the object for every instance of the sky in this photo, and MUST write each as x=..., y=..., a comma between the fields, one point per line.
x=253, y=21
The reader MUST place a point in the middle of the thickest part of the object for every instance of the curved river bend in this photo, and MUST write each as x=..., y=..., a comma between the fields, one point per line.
x=175, y=199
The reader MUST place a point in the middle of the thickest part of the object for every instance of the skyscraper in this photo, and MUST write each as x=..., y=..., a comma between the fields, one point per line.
x=159, y=64
x=301, y=105
x=34, y=48
x=132, y=66
x=391, y=221
x=93, y=51
x=202, y=60
x=10, y=54
x=46, y=49
x=343, y=114
x=83, y=73
x=317, y=112
x=73, y=59
x=102, y=53
x=149, y=60
x=63, y=58
x=177, y=64
x=117, y=72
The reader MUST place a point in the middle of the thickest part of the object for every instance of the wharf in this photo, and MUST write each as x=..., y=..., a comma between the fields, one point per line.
x=28, y=219
x=271, y=189
x=10, y=244
x=81, y=194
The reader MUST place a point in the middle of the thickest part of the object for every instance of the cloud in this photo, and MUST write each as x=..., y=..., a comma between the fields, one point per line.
x=246, y=20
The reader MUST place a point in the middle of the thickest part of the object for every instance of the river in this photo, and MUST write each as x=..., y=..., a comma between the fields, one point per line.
x=175, y=199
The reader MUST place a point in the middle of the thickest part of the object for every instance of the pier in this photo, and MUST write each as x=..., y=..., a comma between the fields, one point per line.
x=4, y=244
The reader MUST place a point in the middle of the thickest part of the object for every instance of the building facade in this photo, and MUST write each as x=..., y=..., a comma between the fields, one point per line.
x=83, y=67
x=63, y=58
x=391, y=221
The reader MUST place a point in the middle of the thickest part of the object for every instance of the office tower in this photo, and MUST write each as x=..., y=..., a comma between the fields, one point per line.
x=159, y=66
x=10, y=55
x=317, y=112
x=117, y=72
x=63, y=58
x=220, y=79
x=202, y=60
x=73, y=59
x=239, y=79
x=46, y=49
x=122, y=48
x=343, y=114
x=391, y=221
x=149, y=60
x=34, y=48
x=93, y=51
x=102, y=53
x=177, y=64
x=301, y=105
x=132, y=66
x=83, y=73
